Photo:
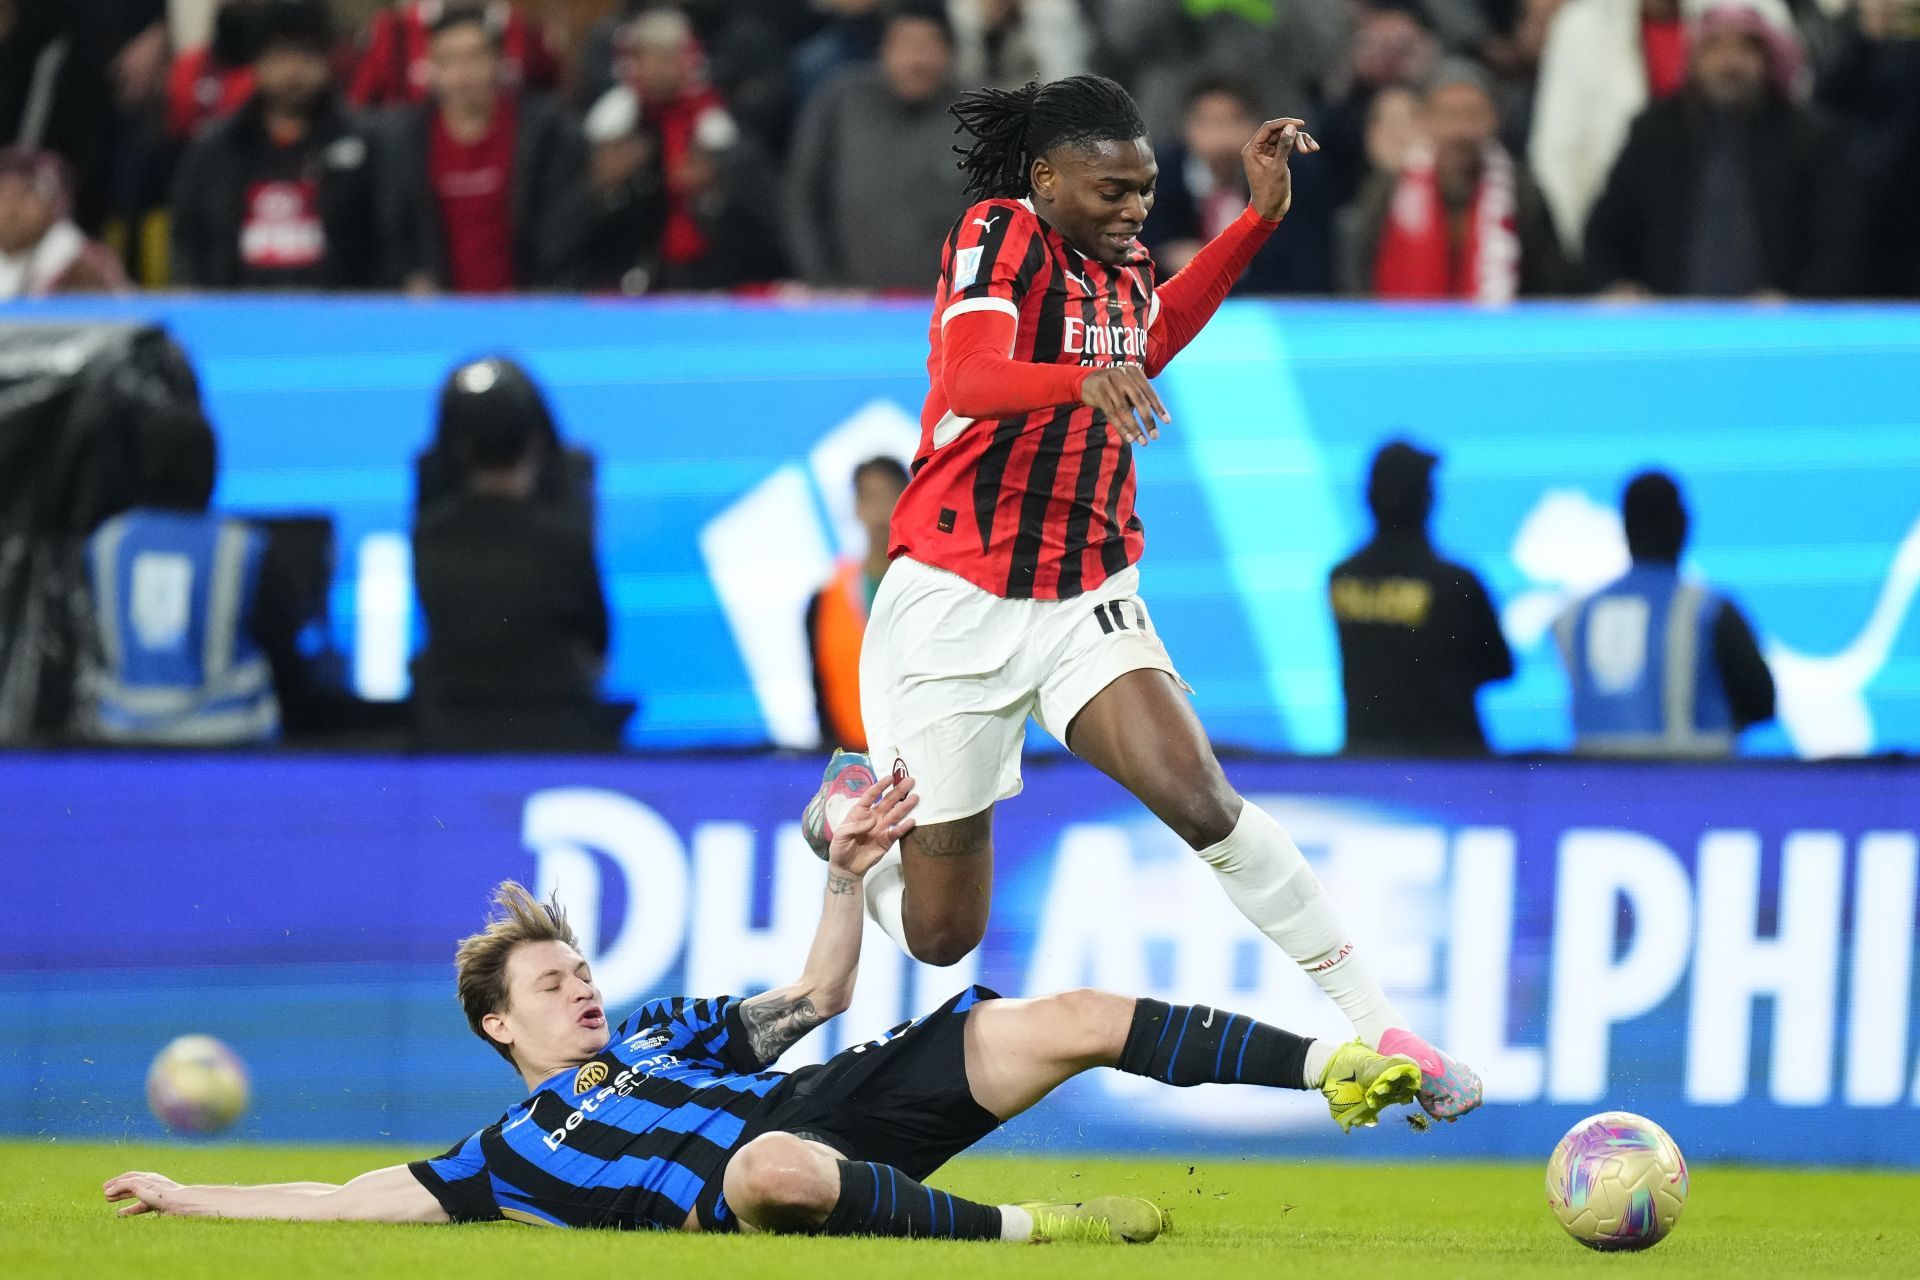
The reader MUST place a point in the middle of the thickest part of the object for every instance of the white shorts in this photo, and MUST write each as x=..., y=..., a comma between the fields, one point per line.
x=949, y=674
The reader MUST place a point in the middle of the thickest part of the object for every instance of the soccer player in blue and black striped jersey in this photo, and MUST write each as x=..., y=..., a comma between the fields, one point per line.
x=673, y=1121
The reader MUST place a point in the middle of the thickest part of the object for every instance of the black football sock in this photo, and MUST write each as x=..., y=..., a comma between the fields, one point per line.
x=879, y=1200
x=1183, y=1044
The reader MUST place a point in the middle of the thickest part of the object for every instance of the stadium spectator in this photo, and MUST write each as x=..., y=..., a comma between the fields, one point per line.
x=394, y=67
x=742, y=47
x=1202, y=188
x=873, y=181
x=1284, y=49
x=748, y=43
x=484, y=187
x=1462, y=218
x=135, y=35
x=1603, y=62
x=837, y=614
x=1393, y=129
x=1661, y=666
x=1290, y=53
x=598, y=56
x=56, y=94
x=41, y=251
x=1009, y=42
x=1511, y=51
x=209, y=81
x=720, y=180
x=677, y=192
x=1694, y=204
x=175, y=591
x=1418, y=634
x=516, y=618
x=280, y=195
x=1873, y=85
x=1392, y=49
x=849, y=37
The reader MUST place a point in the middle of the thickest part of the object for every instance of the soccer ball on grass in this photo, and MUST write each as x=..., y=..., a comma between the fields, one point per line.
x=1617, y=1182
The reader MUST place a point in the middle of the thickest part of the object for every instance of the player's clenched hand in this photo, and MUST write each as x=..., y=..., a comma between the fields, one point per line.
x=150, y=1193
x=881, y=816
x=1129, y=401
x=1265, y=159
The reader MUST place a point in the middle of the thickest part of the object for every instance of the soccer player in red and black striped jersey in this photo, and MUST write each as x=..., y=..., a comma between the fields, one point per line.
x=1014, y=586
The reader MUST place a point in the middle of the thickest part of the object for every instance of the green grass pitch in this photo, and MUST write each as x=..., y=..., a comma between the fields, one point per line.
x=1232, y=1218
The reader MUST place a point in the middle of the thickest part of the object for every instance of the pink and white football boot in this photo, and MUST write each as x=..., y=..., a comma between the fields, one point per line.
x=849, y=774
x=1448, y=1088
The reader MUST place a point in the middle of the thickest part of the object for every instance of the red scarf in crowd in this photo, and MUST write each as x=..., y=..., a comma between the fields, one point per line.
x=1417, y=257
x=678, y=121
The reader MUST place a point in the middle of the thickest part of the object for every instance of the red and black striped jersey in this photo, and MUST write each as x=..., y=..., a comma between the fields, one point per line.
x=1038, y=506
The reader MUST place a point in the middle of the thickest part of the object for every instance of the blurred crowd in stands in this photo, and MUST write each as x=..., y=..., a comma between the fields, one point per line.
x=1479, y=149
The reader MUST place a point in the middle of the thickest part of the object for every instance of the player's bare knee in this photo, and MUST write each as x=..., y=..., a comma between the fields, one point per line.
x=1203, y=816
x=779, y=1183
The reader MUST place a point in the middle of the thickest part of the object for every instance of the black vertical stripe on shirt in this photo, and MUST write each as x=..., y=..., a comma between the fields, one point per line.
x=1034, y=257
x=1024, y=565
x=988, y=475
x=1030, y=538
x=1113, y=552
x=1080, y=513
x=1050, y=325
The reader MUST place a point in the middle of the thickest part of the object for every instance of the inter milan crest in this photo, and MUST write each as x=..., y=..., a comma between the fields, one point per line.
x=589, y=1077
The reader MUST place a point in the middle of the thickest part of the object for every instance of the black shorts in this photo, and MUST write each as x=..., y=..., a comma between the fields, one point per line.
x=901, y=1100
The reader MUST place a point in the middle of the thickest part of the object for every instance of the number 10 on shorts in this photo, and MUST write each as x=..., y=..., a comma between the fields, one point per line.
x=1120, y=615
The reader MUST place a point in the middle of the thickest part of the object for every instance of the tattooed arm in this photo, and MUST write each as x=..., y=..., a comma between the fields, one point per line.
x=776, y=1019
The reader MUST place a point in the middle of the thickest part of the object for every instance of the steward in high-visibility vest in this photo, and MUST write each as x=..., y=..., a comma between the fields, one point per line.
x=1661, y=666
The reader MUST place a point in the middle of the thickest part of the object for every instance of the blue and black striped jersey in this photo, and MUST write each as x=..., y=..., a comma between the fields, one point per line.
x=634, y=1138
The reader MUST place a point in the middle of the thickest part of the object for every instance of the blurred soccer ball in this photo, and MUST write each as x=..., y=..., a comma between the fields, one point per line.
x=1617, y=1182
x=197, y=1085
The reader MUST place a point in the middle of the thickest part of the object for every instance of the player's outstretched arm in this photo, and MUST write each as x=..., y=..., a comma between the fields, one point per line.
x=776, y=1019
x=385, y=1195
x=1192, y=294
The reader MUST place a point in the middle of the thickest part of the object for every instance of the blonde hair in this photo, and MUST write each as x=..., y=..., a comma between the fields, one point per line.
x=480, y=961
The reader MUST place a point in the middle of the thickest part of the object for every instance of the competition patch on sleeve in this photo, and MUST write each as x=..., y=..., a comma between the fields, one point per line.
x=966, y=266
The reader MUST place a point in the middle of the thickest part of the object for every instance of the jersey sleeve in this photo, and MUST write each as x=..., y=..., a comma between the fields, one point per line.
x=458, y=1180
x=995, y=253
x=1184, y=303
x=697, y=1030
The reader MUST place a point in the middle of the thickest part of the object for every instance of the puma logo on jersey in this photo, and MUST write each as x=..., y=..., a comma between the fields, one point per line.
x=1079, y=280
x=987, y=222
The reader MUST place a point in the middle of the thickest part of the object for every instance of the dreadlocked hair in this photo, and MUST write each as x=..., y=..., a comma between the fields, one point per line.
x=1012, y=127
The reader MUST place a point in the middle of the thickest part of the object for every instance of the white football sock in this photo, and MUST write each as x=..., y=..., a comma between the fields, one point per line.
x=1265, y=876
x=886, y=897
x=1319, y=1054
x=1016, y=1224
